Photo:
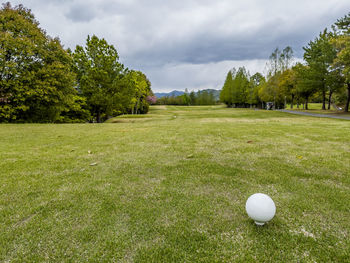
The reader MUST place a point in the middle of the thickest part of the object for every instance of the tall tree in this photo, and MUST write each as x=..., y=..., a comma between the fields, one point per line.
x=99, y=76
x=305, y=82
x=342, y=44
x=265, y=92
x=319, y=55
x=279, y=61
x=186, y=98
x=286, y=58
x=36, y=80
x=335, y=83
x=140, y=89
x=226, y=92
x=192, y=98
x=253, y=91
x=287, y=82
x=240, y=87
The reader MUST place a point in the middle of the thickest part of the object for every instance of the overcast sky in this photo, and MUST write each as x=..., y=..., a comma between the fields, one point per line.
x=187, y=43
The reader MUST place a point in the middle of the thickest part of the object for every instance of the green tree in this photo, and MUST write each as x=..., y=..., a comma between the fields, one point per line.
x=253, y=93
x=186, y=98
x=75, y=110
x=139, y=89
x=335, y=82
x=279, y=61
x=226, y=91
x=240, y=87
x=287, y=82
x=36, y=80
x=100, y=77
x=272, y=91
x=193, y=98
x=342, y=45
x=319, y=55
x=306, y=85
x=265, y=92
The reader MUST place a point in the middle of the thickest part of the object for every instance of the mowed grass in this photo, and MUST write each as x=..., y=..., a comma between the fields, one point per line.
x=317, y=108
x=171, y=186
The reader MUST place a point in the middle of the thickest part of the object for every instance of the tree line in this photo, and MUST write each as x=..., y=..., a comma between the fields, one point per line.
x=323, y=77
x=40, y=81
x=201, y=97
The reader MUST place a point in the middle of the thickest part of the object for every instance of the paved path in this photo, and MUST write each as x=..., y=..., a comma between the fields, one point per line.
x=316, y=115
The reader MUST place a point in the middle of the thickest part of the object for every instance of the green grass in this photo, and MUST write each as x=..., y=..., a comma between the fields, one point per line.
x=317, y=108
x=171, y=186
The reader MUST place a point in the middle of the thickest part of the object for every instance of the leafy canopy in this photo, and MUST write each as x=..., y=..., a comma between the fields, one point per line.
x=36, y=81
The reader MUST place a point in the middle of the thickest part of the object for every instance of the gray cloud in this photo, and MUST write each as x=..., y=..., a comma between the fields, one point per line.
x=81, y=13
x=173, y=41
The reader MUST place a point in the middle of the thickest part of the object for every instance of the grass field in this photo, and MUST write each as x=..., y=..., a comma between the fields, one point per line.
x=317, y=108
x=171, y=186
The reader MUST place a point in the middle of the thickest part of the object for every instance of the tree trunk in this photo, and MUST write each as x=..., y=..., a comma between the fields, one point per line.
x=348, y=100
x=323, y=99
x=330, y=99
x=306, y=102
x=137, y=106
x=285, y=102
x=291, y=104
x=98, y=117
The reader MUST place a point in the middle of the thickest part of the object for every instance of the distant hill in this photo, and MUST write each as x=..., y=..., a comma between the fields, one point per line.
x=176, y=93
x=173, y=93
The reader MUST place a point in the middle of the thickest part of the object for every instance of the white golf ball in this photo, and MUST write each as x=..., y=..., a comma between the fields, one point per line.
x=260, y=208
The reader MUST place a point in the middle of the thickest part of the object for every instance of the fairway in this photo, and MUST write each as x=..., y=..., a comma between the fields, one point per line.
x=171, y=186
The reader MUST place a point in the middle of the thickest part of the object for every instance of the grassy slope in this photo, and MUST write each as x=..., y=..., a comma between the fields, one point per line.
x=171, y=187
